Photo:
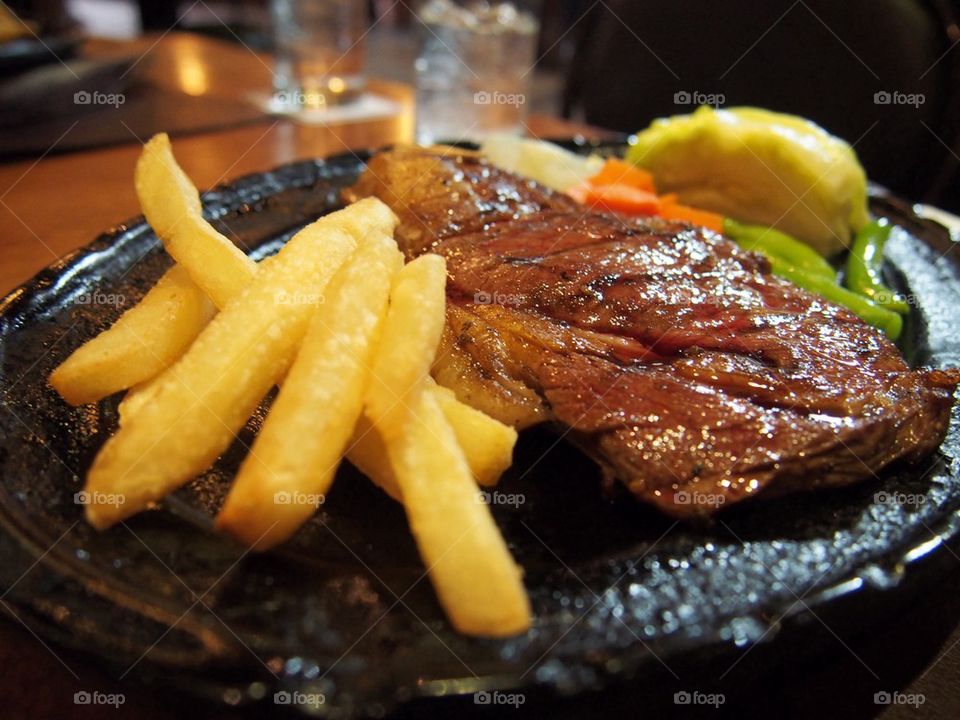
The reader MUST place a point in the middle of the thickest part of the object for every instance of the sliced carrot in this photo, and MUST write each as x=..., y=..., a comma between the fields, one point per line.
x=695, y=216
x=625, y=188
x=622, y=199
x=618, y=172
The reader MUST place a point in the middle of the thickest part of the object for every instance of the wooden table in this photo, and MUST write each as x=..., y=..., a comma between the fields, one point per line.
x=58, y=203
x=51, y=206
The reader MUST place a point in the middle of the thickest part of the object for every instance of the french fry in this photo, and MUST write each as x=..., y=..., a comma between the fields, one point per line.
x=171, y=204
x=412, y=338
x=479, y=585
x=477, y=582
x=139, y=394
x=487, y=443
x=368, y=453
x=204, y=399
x=359, y=219
x=293, y=461
x=144, y=341
x=153, y=334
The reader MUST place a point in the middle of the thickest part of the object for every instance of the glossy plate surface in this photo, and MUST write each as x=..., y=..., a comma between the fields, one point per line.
x=343, y=610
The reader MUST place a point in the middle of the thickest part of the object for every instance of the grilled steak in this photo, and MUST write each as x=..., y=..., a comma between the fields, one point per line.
x=671, y=356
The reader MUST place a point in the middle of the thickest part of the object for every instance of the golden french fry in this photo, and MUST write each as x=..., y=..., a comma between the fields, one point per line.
x=152, y=335
x=293, y=461
x=367, y=452
x=472, y=571
x=411, y=334
x=141, y=393
x=476, y=580
x=359, y=219
x=146, y=339
x=487, y=443
x=171, y=204
x=204, y=399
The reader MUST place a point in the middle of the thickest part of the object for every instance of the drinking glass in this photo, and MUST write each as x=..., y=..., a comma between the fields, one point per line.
x=319, y=52
x=473, y=70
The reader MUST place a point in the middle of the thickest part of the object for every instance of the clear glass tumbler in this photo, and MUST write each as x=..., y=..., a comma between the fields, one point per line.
x=319, y=52
x=473, y=70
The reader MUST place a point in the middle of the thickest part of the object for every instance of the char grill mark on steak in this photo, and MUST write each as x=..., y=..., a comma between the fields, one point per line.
x=670, y=355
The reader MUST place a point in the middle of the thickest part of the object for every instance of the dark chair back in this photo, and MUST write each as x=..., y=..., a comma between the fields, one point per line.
x=883, y=74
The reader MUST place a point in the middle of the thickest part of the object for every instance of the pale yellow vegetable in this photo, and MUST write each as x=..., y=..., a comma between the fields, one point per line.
x=761, y=167
x=292, y=463
x=543, y=161
x=207, y=396
x=171, y=204
x=145, y=340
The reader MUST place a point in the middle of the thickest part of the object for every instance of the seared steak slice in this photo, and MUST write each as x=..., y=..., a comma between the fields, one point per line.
x=670, y=355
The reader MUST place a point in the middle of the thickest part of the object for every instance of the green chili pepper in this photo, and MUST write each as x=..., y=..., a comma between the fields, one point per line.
x=864, y=267
x=890, y=322
x=774, y=243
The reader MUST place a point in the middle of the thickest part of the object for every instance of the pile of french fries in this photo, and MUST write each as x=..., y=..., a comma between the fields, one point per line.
x=349, y=333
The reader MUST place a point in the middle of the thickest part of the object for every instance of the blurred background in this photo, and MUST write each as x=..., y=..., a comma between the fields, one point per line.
x=883, y=74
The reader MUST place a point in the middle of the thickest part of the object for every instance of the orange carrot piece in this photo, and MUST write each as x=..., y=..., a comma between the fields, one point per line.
x=618, y=172
x=695, y=216
x=621, y=198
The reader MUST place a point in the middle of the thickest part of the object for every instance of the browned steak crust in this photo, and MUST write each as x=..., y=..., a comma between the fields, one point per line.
x=670, y=355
